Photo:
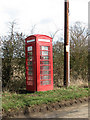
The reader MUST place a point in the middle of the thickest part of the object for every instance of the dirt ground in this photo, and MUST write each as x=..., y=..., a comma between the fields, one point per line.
x=75, y=111
x=29, y=112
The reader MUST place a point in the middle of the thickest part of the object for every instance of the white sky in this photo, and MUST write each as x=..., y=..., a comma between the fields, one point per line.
x=48, y=15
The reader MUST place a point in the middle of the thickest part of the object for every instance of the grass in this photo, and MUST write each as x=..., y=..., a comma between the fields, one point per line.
x=16, y=101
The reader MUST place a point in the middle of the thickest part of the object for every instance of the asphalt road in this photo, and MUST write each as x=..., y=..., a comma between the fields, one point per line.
x=78, y=111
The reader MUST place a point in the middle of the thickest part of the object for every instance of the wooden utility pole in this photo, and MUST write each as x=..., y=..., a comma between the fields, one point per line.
x=66, y=43
x=89, y=46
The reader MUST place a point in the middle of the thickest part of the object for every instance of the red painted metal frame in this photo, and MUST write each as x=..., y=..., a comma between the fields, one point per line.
x=36, y=62
x=29, y=87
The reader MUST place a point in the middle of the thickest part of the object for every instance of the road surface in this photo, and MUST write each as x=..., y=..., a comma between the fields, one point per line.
x=79, y=111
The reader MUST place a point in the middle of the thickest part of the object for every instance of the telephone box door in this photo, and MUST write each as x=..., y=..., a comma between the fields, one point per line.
x=30, y=67
x=46, y=69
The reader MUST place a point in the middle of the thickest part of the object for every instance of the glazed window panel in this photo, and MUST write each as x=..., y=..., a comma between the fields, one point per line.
x=45, y=82
x=45, y=52
x=29, y=48
x=44, y=62
x=29, y=62
x=30, y=73
x=44, y=47
x=30, y=58
x=29, y=53
x=44, y=72
x=29, y=67
x=44, y=57
x=44, y=67
x=44, y=77
x=29, y=82
x=30, y=78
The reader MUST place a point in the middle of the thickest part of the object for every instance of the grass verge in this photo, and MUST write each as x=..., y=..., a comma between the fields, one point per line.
x=16, y=101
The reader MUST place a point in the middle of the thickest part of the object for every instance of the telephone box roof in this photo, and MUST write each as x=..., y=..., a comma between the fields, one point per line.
x=39, y=35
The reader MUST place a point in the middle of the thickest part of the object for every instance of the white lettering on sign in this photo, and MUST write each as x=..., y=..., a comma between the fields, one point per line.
x=30, y=40
x=44, y=40
x=67, y=48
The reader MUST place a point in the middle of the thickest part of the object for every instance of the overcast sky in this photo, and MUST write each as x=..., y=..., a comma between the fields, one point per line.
x=48, y=15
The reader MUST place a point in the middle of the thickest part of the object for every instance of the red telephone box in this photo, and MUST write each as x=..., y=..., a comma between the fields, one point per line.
x=39, y=63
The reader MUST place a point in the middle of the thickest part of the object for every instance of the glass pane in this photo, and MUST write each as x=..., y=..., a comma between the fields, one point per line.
x=45, y=82
x=30, y=78
x=44, y=52
x=44, y=77
x=44, y=47
x=29, y=62
x=30, y=67
x=29, y=48
x=44, y=67
x=30, y=82
x=29, y=57
x=44, y=72
x=30, y=72
x=44, y=62
x=29, y=53
x=40, y=52
x=44, y=57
